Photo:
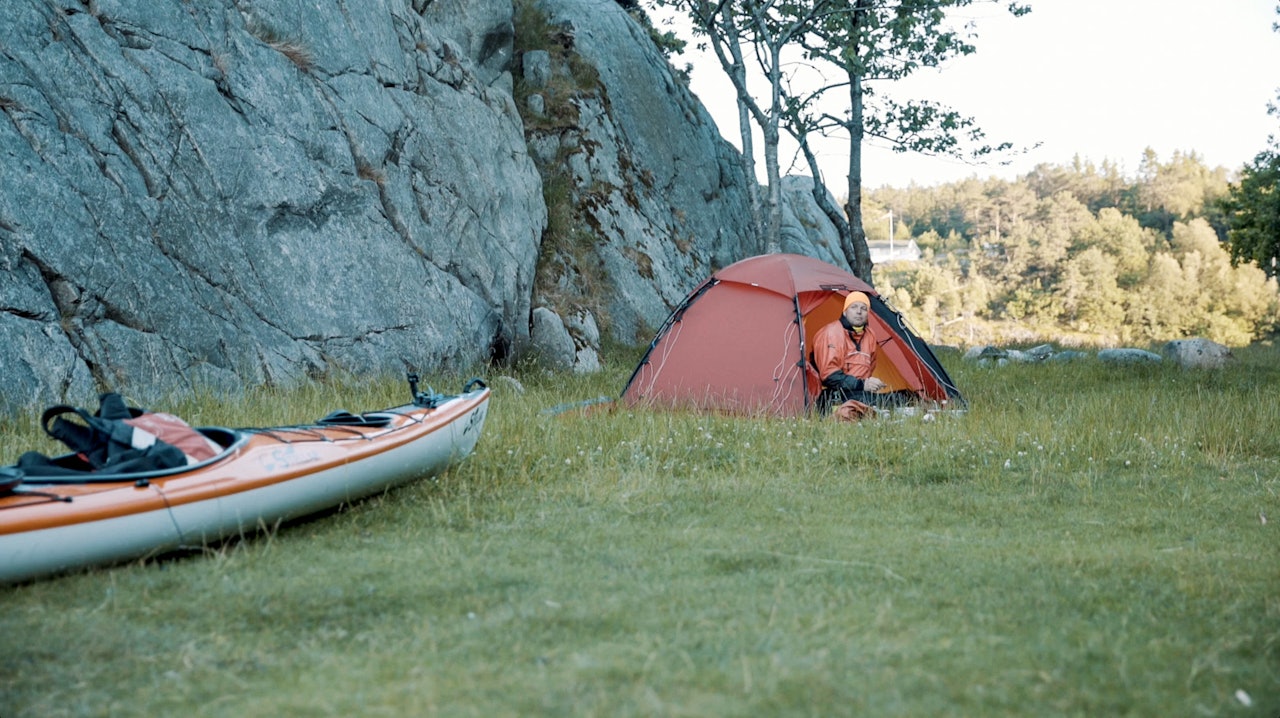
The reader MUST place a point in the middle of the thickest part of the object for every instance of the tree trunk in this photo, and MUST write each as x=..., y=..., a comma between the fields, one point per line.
x=773, y=196
x=737, y=71
x=770, y=132
x=749, y=169
x=861, y=261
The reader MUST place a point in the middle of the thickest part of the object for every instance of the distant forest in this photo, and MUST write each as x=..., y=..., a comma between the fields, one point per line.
x=1076, y=255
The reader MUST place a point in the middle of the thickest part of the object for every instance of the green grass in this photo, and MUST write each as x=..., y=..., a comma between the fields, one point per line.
x=1084, y=540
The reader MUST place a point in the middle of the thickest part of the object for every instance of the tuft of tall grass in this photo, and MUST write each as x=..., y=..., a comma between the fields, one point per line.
x=292, y=49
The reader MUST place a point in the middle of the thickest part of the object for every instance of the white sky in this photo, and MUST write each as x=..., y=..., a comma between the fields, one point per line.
x=1102, y=79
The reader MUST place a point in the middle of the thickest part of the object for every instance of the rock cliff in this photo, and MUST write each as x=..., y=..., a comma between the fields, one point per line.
x=225, y=193
x=661, y=195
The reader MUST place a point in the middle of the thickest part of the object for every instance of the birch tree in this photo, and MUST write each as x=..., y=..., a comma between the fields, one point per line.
x=875, y=42
x=749, y=38
x=868, y=43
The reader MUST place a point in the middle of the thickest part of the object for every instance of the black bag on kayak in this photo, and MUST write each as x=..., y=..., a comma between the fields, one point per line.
x=103, y=443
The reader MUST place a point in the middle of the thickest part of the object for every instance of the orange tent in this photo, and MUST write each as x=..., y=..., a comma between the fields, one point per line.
x=739, y=343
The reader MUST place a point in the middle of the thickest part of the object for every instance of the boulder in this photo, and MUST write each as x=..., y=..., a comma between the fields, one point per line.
x=1039, y=353
x=1128, y=356
x=581, y=325
x=505, y=382
x=567, y=345
x=985, y=354
x=1198, y=353
x=550, y=340
x=1067, y=355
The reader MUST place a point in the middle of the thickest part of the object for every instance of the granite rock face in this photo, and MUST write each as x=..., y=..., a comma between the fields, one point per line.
x=219, y=194
x=805, y=227
x=664, y=195
x=222, y=194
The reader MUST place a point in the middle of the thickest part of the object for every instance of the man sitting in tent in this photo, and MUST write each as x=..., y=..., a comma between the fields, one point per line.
x=844, y=353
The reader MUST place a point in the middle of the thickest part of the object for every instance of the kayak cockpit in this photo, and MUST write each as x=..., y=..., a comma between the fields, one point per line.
x=79, y=471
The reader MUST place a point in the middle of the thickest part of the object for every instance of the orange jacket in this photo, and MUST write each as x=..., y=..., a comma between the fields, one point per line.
x=838, y=349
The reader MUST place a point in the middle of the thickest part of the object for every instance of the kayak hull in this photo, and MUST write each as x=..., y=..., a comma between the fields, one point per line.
x=262, y=478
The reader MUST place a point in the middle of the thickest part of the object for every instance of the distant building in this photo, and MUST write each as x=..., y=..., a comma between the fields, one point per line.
x=906, y=251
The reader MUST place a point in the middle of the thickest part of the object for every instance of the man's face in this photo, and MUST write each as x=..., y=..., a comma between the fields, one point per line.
x=856, y=314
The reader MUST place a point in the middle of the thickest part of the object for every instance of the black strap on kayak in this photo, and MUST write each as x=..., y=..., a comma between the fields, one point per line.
x=79, y=438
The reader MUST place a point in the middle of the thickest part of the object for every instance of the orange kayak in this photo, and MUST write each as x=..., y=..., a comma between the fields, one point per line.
x=262, y=476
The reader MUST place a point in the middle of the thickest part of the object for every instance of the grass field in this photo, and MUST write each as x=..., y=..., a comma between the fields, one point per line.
x=1085, y=540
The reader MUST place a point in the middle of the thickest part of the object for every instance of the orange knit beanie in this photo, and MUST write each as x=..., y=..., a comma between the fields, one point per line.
x=858, y=297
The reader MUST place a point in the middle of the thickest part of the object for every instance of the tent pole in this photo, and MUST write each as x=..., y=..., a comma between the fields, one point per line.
x=804, y=374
